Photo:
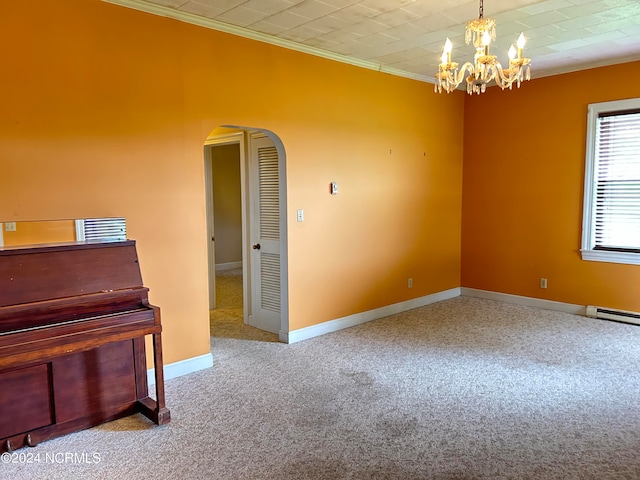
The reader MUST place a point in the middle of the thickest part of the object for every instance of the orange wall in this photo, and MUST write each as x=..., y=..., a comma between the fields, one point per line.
x=523, y=190
x=105, y=113
x=28, y=233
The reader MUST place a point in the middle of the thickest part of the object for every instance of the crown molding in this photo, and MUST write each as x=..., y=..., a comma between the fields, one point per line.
x=186, y=17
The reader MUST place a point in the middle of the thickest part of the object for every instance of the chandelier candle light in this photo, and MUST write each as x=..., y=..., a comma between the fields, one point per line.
x=485, y=67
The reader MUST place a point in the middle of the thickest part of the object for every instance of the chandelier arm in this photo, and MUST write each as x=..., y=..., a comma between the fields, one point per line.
x=461, y=73
x=450, y=76
x=502, y=80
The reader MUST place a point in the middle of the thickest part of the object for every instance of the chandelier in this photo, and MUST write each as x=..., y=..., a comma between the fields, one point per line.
x=485, y=67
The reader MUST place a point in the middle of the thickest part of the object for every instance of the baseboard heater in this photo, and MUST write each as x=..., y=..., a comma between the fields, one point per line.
x=615, y=315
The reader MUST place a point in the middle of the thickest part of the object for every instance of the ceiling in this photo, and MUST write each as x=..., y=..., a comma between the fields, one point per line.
x=406, y=37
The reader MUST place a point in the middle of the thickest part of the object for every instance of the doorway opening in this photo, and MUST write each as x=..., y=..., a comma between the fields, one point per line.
x=246, y=225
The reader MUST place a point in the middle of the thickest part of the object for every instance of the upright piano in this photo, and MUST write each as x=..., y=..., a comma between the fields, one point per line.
x=73, y=322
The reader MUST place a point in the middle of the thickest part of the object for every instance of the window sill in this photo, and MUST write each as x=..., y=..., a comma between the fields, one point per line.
x=612, y=257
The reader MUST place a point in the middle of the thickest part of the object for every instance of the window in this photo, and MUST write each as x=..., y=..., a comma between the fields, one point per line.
x=611, y=223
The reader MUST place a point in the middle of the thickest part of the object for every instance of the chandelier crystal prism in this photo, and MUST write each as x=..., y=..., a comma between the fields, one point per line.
x=485, y=67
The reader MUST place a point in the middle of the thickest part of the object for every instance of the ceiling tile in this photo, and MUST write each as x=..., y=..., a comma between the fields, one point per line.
x=542, y=19
x=340, y=3
x=264, y=26
x=242, y=16
x=341, y=36
x=382, y=6
x=377, y=39
x=171, y=3
x=223, y=5
x=613, y=25
x=354, y=14
x=268, y=7
x=368, y=26
x=437, y=21
x=328, y=24
x=205, y=10
x=312, y=9
x=396, y=18
x=547, y=6
x=287, y=19
x=405, y=31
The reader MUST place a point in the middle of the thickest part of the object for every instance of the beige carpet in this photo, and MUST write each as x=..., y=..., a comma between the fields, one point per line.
x=462, y=389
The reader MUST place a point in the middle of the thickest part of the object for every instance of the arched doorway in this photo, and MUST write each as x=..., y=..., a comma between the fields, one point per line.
x=261, y=162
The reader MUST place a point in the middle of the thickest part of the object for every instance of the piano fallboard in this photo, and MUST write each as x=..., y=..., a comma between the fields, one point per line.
x=84, y=307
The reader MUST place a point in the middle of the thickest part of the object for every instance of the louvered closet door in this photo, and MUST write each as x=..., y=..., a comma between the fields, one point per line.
x=265, y=235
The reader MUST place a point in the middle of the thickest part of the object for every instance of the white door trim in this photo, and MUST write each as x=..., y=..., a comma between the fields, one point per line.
x=211, y=142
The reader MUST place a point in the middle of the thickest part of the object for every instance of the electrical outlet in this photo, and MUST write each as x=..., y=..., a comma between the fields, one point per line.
x=543, y=283
x=410, y=283
x=10, y=227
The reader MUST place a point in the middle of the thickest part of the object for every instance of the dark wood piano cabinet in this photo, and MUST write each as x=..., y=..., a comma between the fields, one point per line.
x=73, y=321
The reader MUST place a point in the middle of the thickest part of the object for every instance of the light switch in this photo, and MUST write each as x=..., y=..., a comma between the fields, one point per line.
x=301, y=215
x=334, y=188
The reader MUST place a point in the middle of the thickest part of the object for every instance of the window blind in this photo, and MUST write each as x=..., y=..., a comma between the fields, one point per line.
x=617, y=182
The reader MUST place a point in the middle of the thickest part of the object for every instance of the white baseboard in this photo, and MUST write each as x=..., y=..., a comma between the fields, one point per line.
x=183, y=367
x=526, y=301
x=363, y=317
x=228, y=265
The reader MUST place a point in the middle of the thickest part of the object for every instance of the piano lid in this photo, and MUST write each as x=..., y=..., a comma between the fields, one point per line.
x=39, y=273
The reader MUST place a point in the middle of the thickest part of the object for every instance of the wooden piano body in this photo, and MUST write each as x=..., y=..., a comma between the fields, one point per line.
x=73, y=321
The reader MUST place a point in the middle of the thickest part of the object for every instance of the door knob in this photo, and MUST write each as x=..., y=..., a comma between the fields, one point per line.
x=256, y=246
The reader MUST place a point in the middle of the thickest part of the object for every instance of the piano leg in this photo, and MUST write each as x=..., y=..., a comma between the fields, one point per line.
x=162, y=413
x=154, y=410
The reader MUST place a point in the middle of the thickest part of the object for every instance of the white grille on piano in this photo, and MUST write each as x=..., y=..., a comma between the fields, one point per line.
x=100, y=229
